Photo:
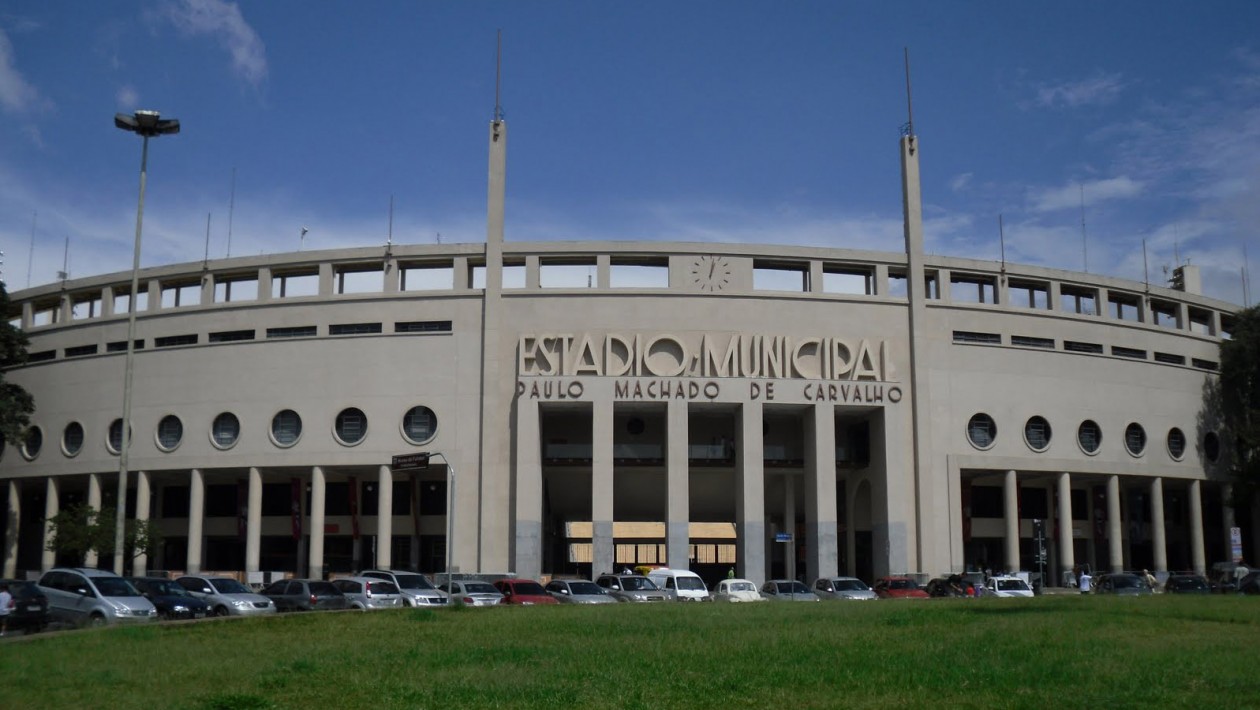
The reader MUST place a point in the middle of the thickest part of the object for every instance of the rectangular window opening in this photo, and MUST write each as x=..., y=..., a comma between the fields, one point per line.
x=1119, y=351
x=354, y=328
x=301, y=331
x=423, y=326
x=632, y=274
x=969, y=288
x=81, y=350
x=1079, y=300
x=776, y=276
x=427, y=277
x=231, y=290
x=1029, y=294
x=562, y=275
x=1079, y=347
x=968, y=336
x=180, y=295
x=1029, y=341
x=851, y=281
x=228, y=336
x=295, y=284
x=358, y=279
x=171, y=341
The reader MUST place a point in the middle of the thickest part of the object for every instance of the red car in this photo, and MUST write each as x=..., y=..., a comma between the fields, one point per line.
x=523, y=591
x=898, y=588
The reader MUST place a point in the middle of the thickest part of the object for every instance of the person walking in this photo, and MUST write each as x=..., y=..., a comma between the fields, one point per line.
x=1085, y=580
x=6, y=605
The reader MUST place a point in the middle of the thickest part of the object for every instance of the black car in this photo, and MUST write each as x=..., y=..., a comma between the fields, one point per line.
x=1250, y=584
x=29, y=611
x=170, y=598
x=1186, y=584
x=941, y=587
x=304, y=595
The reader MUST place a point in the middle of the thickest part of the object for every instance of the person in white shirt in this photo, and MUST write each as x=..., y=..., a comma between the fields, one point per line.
x=6, y=605
x=1084, y=580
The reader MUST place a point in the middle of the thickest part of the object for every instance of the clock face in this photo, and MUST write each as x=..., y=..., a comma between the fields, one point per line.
x=710, y=273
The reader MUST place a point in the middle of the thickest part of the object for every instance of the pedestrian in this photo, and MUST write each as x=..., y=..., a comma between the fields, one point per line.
x=1085, y=580
x=730, y=573
x=1240, y=571
x=6, y=605
x=1150, y=579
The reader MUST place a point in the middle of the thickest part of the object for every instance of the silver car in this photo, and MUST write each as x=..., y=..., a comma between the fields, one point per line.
x=578, y=591
x=416, y=589
x=787, y=590
x=631, y=588
x=365, y=593
x=93, y=597
x=843, y=588
x=473, y=593
x=226, y=596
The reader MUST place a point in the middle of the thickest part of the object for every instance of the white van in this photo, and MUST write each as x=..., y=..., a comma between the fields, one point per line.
x=681, y=585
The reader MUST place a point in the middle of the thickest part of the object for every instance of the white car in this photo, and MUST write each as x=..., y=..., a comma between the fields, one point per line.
x=737, y=590
x=416, y=589
x=365, y=593
x=226, y=596
x=92, y=597
x=1009, y=587
x=843, y=588
x=473, y=593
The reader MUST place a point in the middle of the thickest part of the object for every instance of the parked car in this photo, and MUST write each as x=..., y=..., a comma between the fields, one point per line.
x=631, y=588
x=680, y=584
x=842, y=588
x=1249, y=584
x=93, y=597
x=1122, y=583
x=226, y=596
x=304, y=595
x=737, y=590
x=473, y=593
x=28, y=612
x=1186, y=584
x=578, y=591
x=1009, y=587
x=172, y=600
x=941, y=587
x=365, y=593
x=417, y=590
x=787, y=590
x=523, y=591
x=898, y=588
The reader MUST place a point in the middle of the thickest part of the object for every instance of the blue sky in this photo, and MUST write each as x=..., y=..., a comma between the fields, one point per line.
x=708, y=121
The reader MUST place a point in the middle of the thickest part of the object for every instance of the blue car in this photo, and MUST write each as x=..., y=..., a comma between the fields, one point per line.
x=171, y=599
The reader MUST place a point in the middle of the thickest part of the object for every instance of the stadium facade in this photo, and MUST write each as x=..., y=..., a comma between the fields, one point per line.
x=786, y=411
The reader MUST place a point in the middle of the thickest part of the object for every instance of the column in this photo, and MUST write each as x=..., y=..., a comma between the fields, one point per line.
x=140, y=565
x=196, y=519
x=1198, y=557
x=1159, y=542
x=1067, y=554
x=253, y=523
x=94, y=502
x=603, y=555
x=1115, y=541
x=11, y=530
x=48, y=559
x=1010, y=488
x=677, y=492
x=750, y=501
x=1227, y=520
x=384, y=517
x=821, y=545
x=789, y=526
x=528, y=554
x=315, y=567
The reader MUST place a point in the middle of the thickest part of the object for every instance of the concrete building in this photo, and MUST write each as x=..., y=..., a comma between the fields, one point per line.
x=781, y=410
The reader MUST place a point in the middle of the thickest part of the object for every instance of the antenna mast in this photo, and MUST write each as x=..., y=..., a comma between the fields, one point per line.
x=389, y=237
x=205, y=261
x=65, y=265
x=909, y=99
x=1084, y=242
x=1002, y=241
x=498, y=74
x=231, y=209
x=1146, y=269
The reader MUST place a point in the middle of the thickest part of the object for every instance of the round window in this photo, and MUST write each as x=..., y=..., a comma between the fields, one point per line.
x=1135, y=439
x=351, y=426
x=170, y=432
x=1176, y=443
x=1089, y=436
x=33, y=443
x=981, y=431
x=1212, y=446
x=419, y=425
x=225, y=430
x=286, y=428
x=1037, y=433
x=114, y=442
x=72, y=439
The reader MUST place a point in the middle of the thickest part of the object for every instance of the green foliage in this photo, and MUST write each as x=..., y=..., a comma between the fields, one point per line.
x=80, y=529
x=16, y=404
x=1239, y=400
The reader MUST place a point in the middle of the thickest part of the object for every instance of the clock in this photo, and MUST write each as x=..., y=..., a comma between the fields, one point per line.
x=710, y=273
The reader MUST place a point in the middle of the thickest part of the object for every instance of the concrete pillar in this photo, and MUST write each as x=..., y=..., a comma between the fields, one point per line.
x=677, y=491
x=315, y=567
x=1010, y=489
x=1159, y=542
x=1115, y=527
x=789, y=526
x=196, y=519
x=1227, y=519
x=52, y=505
x=822, y=547
x=1198, y=556
x=528, y=553
x=13, y=525
x=140, y=565
x=750, y=500
x=94, y=502
x=253, y=522
x=1067, y=555
x=603, y=557
x=384, y=517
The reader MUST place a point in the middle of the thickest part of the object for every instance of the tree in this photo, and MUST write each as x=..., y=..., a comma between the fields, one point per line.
x=1238, y=396
x=16, y=404
x=79, y=529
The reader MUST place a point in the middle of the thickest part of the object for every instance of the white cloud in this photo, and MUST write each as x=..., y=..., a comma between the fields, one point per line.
x=959, y=183
x=1099, y=89
x=127, y=98
x=17, y=95
x=1049, y=199
x=223, y=21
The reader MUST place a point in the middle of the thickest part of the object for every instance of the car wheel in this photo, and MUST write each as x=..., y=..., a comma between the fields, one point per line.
x=96, y=620
x=220, y=610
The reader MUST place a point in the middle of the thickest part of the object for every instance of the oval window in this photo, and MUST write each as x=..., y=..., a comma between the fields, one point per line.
x=350, y=426
x=981, y=431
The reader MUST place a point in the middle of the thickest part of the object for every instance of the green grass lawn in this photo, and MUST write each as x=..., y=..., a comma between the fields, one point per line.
x=1066, y=651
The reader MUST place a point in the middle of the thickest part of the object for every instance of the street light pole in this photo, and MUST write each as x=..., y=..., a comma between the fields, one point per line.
x=450, y=519
x=146, y=124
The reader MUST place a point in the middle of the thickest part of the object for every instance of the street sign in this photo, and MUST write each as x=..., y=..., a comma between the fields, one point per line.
x=783, y=537
x=408, y=462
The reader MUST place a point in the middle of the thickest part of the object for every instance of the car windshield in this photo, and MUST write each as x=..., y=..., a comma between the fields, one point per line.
x=851, y=585
x=1127, y=581
x=741, y=587
x=479, y=588
x=323, y=588
x=114, y=587
x=1007, y=585
x=382, y=588
x=223, y=585
x=900, y=584
x=637, y=584
x=691, y=584
x=1188, y=583
x=529, y=588
x=166, y=588
x=585, y=588
x=413, y=581
x=792, y=588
